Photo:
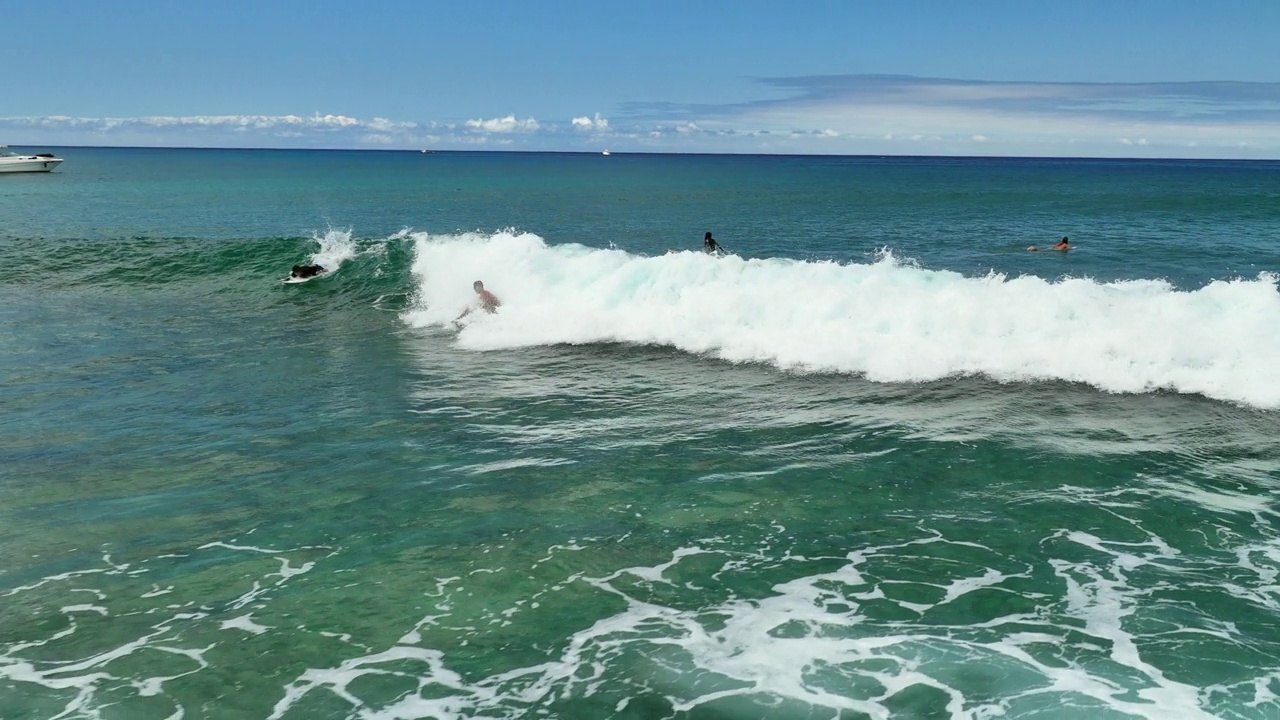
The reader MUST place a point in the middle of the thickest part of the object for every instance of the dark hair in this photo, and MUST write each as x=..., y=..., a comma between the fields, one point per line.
x=1064, y=238
x=707, y=236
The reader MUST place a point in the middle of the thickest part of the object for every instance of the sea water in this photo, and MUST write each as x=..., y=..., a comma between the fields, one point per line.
x=877, y=461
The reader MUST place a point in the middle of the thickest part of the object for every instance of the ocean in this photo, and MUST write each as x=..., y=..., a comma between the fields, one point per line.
x=876, y=461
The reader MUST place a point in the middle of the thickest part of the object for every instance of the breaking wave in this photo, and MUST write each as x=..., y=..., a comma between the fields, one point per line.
x=887, y=320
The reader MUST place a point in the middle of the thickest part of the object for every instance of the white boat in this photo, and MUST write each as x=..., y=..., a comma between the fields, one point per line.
x=13, y=162
x=606, y=152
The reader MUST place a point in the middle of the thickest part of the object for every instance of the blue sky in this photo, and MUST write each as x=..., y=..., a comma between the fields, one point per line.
x=1157, y=78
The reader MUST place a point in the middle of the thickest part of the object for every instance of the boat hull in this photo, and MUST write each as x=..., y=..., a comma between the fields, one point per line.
x=28, y=164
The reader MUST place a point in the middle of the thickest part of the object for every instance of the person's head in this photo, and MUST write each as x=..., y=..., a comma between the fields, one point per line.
x=1064, y=240
x=477, y=286
x=706, y=237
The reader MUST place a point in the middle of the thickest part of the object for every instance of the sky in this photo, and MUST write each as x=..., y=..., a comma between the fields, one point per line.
x=1076, y=78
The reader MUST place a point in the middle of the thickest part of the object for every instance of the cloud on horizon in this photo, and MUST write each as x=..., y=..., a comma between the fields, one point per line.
x=882, y=113
x=597, y=124
x=240, y=130
x=508, y=124
x=845, y=114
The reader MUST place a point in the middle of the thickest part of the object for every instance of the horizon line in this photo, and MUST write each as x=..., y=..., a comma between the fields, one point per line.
x=613, y=153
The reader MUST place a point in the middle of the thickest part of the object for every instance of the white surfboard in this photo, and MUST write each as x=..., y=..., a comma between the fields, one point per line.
x=291, y=280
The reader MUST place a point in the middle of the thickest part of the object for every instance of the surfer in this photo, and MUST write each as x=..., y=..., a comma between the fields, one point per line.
x=488, y=301
x=1062, y=245
x=306, y=271
x=709, y=244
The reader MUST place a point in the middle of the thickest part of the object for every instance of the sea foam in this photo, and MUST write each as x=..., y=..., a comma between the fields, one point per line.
x=889, y=320
x=336, y=247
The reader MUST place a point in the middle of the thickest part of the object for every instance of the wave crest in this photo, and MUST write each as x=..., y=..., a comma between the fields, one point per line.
x=889, y=321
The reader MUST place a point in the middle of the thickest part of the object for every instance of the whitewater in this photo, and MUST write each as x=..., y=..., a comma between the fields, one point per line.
x=889, y=321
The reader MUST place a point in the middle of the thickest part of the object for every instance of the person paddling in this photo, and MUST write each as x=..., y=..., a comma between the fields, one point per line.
x=1063, y=244
x=306, y=271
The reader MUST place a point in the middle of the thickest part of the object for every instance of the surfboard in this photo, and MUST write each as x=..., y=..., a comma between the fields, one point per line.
x=291, y=280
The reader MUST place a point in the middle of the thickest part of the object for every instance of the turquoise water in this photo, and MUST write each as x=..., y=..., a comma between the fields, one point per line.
x=879, y=462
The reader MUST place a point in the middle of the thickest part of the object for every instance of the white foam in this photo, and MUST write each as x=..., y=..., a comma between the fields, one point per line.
x=816, y=639
x=888, y=321
x=336, y=247
x=88, y=684
x=84, y=608
x=245, y=623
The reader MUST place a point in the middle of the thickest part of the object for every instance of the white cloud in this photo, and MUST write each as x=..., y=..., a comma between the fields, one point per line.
x=508, y=124
x=833, y=114
x=874, y=113
x=596, y=124
x=385, y=125
x=254, y=122
x=318, y=130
